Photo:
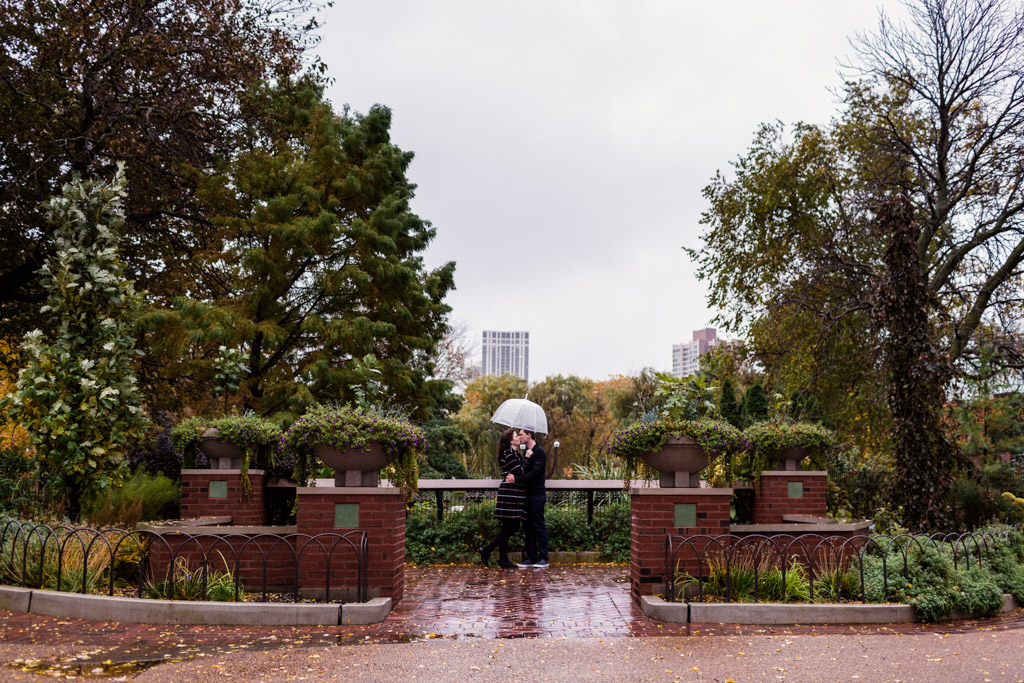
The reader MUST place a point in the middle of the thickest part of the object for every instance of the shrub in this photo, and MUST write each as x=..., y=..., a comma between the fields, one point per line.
x=16, y=479
x=612, y=530
x=155, y=453
x=143, y=497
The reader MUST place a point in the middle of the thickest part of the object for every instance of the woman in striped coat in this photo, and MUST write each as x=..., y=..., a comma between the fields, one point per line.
x=511, y=505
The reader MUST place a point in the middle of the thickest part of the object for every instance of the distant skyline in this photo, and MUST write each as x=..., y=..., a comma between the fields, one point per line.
x=561, y=148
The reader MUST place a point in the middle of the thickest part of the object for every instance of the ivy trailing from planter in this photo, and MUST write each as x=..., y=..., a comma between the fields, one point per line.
x=347, y=428
x=719, y=440
x=257, y=437
x=776, y=435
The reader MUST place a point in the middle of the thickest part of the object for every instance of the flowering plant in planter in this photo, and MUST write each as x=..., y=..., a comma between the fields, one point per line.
x=255, y=436
x=775, y=436
x=347, y=428
x=718, y=439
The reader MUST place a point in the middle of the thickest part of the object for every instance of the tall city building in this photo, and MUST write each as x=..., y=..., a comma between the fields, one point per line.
x=505, y=353
x=686, y=356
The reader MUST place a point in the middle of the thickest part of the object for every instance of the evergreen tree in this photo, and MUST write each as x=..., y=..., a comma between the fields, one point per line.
x=728, y=406
x=755, y=404
x=77, y=397
x=322, y=263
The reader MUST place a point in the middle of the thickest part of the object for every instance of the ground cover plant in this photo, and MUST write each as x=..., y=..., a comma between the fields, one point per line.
x=936, y=575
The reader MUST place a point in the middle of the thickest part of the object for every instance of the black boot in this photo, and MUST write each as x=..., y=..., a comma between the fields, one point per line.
x=485, y=555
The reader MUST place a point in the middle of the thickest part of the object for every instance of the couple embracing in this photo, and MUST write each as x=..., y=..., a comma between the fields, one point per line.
x=521, y=496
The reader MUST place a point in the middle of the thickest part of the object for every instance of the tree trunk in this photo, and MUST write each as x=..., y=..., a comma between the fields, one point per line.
x=925, y=458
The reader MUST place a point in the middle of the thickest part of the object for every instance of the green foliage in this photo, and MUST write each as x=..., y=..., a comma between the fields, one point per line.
x=77, y=395
x=689, y=398
x=722, y=443
x=228, y=367
x=933, y=586
x=49, y=554
x=16, y=474
x=143, y=497
x=604, y=467
x=447, y=446
x=186, y=436
x=728, y=406
x=325, y=288
x=766, y=437
x=257, y=437
x=754, y=406
x=188, y=583
x=344, y=428
x=428, y=541
x=612, y=530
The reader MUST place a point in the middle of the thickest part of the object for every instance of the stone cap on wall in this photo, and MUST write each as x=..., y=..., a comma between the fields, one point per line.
x=793, y=473
x=216, y=530
x=215, y=472
x=822, y=527
x=695, y=491
x=348, y=490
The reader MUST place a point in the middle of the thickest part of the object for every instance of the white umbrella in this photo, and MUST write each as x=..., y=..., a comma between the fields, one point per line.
x=521, y=413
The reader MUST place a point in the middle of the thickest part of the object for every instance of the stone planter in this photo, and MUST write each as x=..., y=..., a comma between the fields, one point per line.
x=680, y=462
x=221, y=454
x=351, y=467
x=788, y=459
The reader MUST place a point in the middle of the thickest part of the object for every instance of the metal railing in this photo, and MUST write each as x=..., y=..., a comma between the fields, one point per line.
x=818, y=555
x=80, y=559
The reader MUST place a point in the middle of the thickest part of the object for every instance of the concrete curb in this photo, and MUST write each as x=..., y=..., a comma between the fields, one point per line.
x=188, y=612
x=15, y=599
x=370, y=612
x=782, y=613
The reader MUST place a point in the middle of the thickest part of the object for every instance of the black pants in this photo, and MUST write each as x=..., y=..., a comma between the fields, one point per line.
x=508, y=528
x=536, y=531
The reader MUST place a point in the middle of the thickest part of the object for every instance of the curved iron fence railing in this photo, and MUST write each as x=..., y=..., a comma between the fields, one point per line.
x=80, y=559
x=818, y=555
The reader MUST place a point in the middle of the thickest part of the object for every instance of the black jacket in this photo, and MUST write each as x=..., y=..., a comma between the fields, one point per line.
x=536, y=465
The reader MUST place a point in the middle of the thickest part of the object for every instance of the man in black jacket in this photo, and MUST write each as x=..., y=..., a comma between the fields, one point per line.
x=535, y=554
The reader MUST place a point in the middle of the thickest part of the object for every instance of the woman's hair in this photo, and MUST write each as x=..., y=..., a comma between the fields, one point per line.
x=504, y=442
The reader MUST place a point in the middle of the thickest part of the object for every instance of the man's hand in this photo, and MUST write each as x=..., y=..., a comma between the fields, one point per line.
x=529, y=453
x=510, y=479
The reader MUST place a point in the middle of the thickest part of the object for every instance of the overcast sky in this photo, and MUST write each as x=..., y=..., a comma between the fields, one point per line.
x=561, y=147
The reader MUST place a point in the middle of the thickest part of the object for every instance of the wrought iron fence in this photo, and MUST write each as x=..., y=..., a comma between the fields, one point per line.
x=85, y=559
x=720, y=560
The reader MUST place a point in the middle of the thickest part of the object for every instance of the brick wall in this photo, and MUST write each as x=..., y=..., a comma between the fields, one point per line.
x=773, y=500
x=243, y=557
x=381, y=515
x=652, y=513
x=196, y=500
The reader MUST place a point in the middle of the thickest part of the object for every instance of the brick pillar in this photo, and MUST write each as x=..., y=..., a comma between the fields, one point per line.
x=218, y=493
x=790, y=493
x=655, y=513
x=380, y=512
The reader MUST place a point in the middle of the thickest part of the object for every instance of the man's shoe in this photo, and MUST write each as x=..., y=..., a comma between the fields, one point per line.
x=526, y=564
x=542, y=564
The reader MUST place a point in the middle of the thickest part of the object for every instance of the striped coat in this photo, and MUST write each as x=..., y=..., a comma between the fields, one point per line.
x=511, y=502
